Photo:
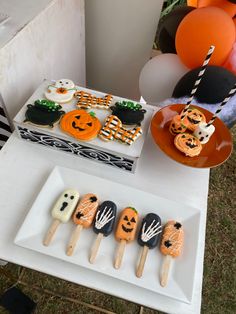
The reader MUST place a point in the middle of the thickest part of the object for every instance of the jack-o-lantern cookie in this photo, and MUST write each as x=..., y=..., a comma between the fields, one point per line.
x=62, y=91
x=128, y=112
x=188, y=144
x=44, y=113
x=81, y=125
x=194, y=117
x=178, y=125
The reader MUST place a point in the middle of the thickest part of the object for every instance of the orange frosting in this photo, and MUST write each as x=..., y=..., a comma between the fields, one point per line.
x=127, y=225
x=80, y=124
x=194, y=117
x=86, y=210
x=172, y=239
x=178, y=125
x=188, y=144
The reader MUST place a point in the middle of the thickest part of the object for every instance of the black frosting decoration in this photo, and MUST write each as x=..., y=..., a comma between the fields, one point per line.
x=128, y=112
x=105, y=218
x=150, y=231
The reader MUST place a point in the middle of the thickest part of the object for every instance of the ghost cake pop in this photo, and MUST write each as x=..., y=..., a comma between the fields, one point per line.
x=61, y=212
x=204, y=132
x=61, y=92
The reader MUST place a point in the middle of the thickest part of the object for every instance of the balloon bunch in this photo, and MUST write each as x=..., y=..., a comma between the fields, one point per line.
x=184, y=37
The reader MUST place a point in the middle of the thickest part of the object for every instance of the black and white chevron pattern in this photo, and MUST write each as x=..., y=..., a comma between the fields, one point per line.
x=5, y=130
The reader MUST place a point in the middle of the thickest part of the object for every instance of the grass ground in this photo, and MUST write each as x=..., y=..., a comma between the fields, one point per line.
x=54, y=295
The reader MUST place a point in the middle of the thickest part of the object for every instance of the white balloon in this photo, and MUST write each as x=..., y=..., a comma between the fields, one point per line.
x=159, y=77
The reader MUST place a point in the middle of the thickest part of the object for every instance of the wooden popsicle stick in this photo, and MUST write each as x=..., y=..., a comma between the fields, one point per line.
x=95, y=248
x=165, y=270
x=73, y=240
x=119, y=254
x=142, y=261
x=51, y=231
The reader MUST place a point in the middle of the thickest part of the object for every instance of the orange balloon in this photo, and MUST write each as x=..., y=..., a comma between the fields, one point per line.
x=225, y=5
x=200, y=29
x=192, y=3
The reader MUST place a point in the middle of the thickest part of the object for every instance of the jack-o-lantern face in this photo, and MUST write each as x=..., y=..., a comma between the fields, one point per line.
x=178, y=125
x=127, y=224
x=188, y=144
x=80, y=124
x=194, y=117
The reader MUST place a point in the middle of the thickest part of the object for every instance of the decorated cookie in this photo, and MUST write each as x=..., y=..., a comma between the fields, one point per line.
x=43, y=113
x=128, y=112
x=178, y=125
x=188, y=144
x=194, y=117
x=62, y=91
x=80, y=124
x=87, y=100
x=113, y=130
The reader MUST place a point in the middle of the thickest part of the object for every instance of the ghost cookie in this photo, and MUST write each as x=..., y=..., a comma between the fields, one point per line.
x=194, y=117
x=44, y=113
x=81, y=125
x=188, y=144
x=62, y=91
x=204, y=132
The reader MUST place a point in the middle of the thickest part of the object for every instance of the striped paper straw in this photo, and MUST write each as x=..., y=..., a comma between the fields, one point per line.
x=200, y=75
x=231, y=93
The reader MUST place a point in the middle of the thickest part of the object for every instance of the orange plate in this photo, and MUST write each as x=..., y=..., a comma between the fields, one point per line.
x=214, y=153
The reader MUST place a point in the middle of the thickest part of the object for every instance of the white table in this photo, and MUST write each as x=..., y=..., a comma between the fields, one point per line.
x=24, y=168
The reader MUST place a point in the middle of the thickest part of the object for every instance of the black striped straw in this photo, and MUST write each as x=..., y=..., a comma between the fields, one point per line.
x=231, y=93
x=198, y=80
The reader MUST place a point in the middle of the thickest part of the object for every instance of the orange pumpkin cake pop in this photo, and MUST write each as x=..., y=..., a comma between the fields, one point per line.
x=125, y=232
x=81, y=125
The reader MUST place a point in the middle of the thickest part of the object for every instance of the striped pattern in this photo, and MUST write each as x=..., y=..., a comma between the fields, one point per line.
x=113, y=130
x=5, y=130
x=200, y=75
x=87, y=101
x=224, y=102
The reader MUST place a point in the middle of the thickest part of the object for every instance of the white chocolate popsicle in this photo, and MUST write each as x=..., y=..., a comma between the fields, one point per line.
x=62, y=211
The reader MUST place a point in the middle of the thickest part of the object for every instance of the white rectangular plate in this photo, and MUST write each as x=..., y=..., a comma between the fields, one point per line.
x=38, y=220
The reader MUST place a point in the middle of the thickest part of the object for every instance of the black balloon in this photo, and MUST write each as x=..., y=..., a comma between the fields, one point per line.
x=233, y=1
x=168, y=26
x=213, y=88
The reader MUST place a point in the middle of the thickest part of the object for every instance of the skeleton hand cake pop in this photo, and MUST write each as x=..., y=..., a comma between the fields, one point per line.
x=204, y=132
x=62, y=91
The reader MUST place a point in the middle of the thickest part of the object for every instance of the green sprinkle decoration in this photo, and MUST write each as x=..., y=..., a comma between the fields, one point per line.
x=92, y=114
x=128, y=105
x=47, y=105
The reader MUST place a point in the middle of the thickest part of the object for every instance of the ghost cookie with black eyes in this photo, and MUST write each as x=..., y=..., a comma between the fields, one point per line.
x=62, y=211
x=61, y=92
x=188, y=144
x=171, y=246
